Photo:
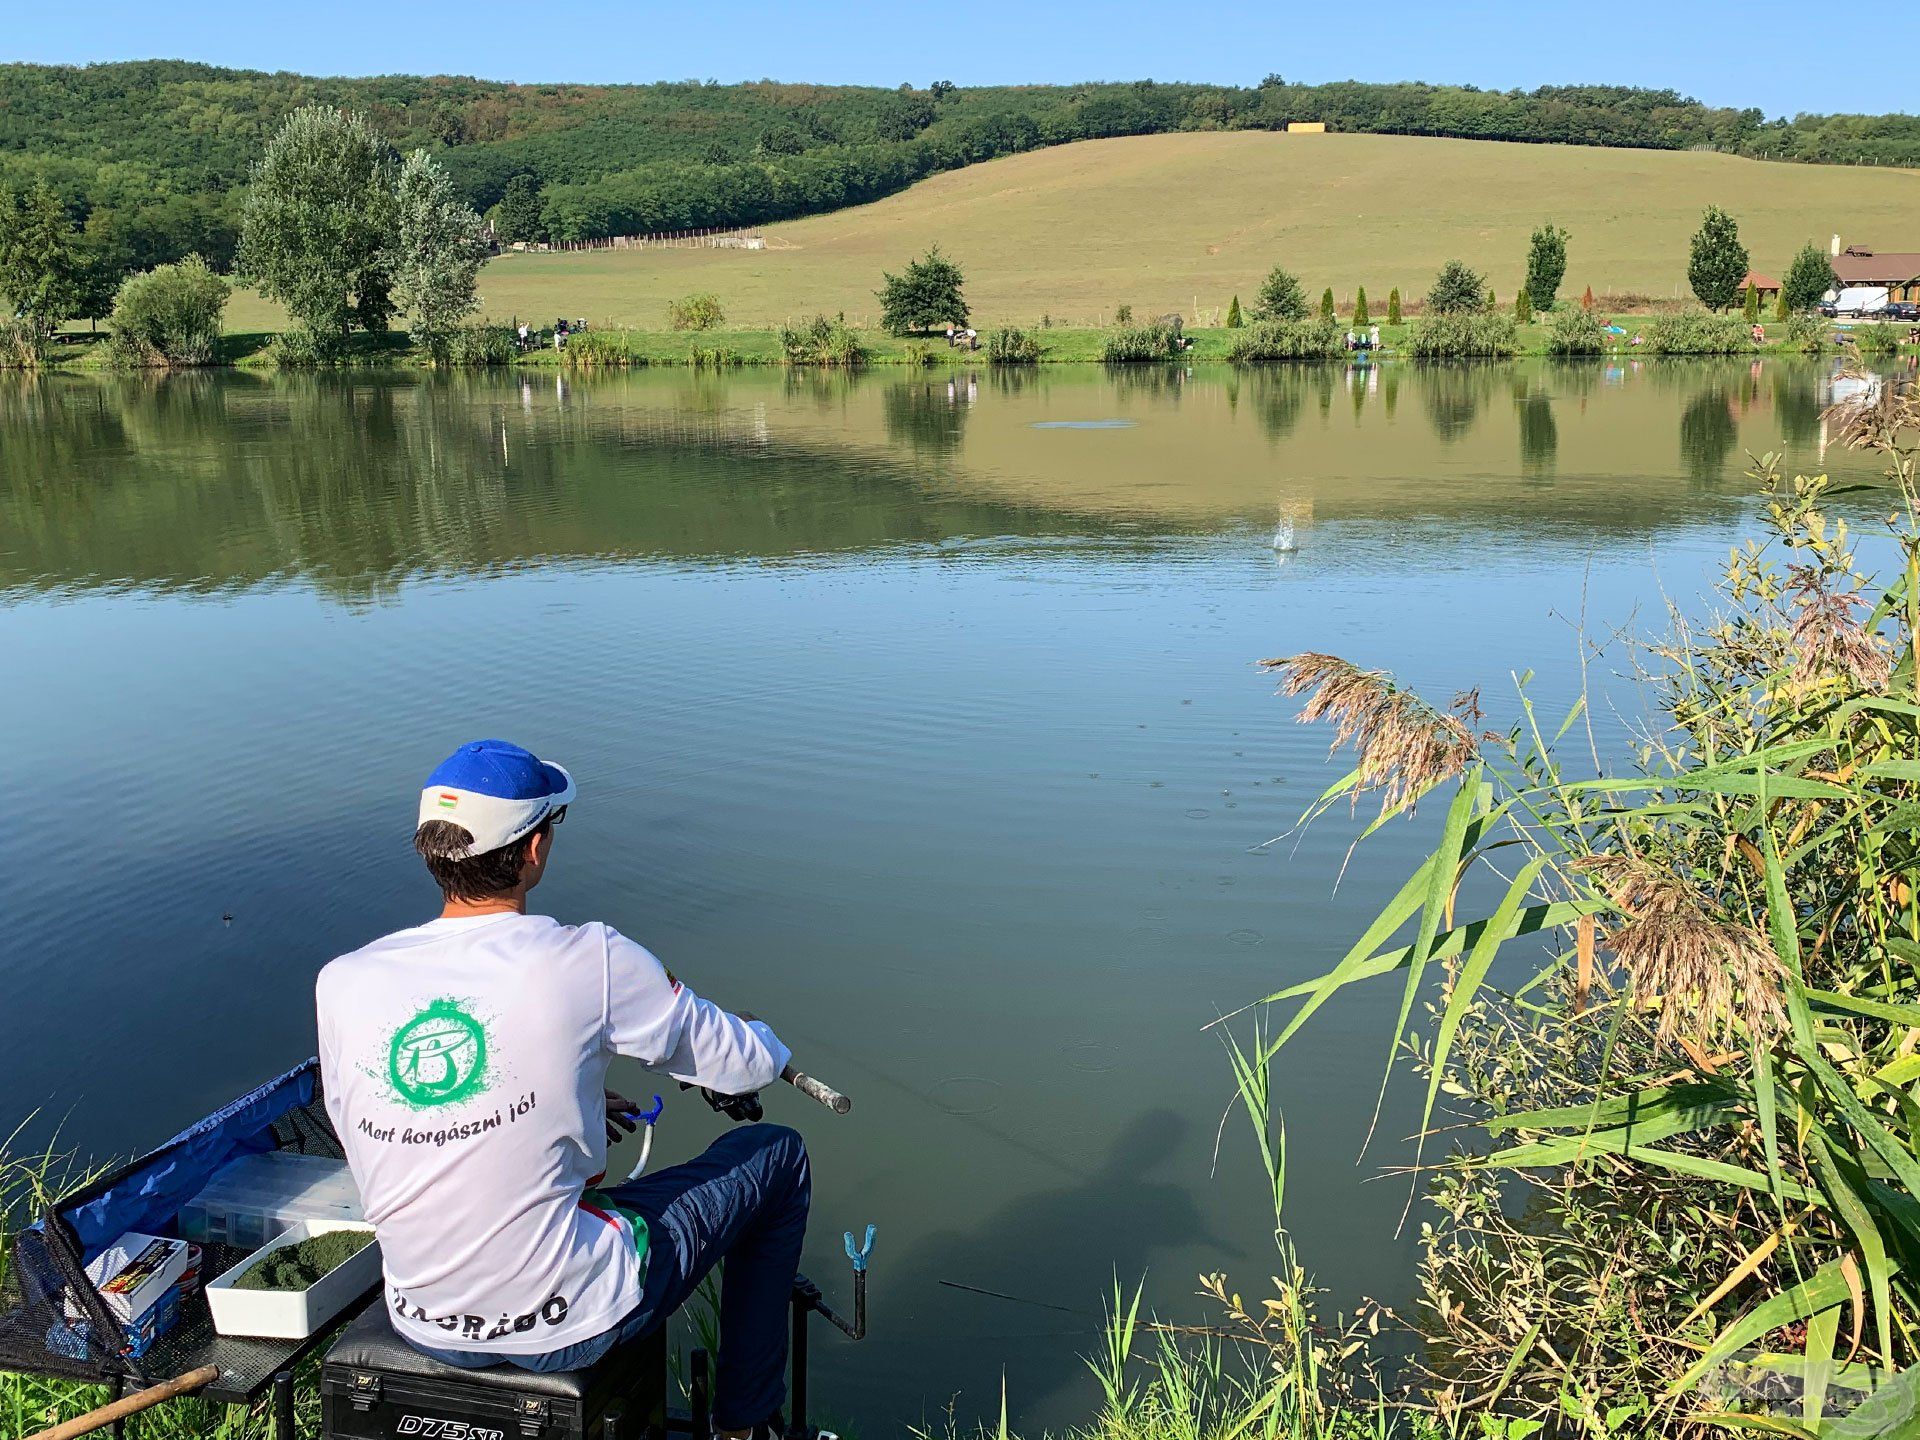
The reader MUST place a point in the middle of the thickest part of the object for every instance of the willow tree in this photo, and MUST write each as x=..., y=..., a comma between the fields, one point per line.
x=317, y=224
x=439, y=245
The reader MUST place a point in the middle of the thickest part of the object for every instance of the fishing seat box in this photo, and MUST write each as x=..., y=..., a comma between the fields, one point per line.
x=374, y=1386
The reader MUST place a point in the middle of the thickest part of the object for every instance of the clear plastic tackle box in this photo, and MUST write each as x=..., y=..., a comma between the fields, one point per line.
x=257, y=1198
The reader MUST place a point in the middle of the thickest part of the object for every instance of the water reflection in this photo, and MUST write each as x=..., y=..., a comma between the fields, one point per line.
x=356, y=482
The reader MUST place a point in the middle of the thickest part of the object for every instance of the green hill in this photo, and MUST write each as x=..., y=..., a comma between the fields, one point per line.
x=1167, y=221
x=150, y=154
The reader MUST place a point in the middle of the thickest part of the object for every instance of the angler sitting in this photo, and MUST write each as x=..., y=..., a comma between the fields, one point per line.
x=464, y=1064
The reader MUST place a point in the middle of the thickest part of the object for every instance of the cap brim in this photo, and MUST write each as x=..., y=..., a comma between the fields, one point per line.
x=563, y=789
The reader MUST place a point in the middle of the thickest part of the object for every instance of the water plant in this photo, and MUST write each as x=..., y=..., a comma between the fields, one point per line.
x=1695, y=332
x=1576, y=331
x=822, y=342
x=1464, y=335
x=1136, y=343
x=1010, y=346
x=1272, y=340
x=1693, y=1088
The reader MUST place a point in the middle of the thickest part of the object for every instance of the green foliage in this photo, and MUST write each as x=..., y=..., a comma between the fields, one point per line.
x=1158, y=341
x=437, y=250
x=40, y=261
x=1693, y=1101
x=1805, y=333
x=1326, y=303
x=1272, y=340
x=1546, y=264
x=318, y=223
x=1808, y=278
x=1393, y=306
x=1576, y=331
x=700, y=311
x=169, y=315
x=1280, y=297
x=296, y=348
x=1717, y=261
x=1234, y=320
x=925, y=296
x=517, y=217
x=1464, y=335
x=1123, y=314
x=1360, y=316
x=1692, y=332
x=1750, y=308
x=1781, y=309
x=1523, y=306
x=1456, y=291
x=22, y=346
x=1008, y=346
x=822, y=342
x=480, y=345
x=600, y=350
x=1877, y=339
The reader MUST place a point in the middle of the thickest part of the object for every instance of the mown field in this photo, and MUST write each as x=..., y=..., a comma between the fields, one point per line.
x=1161, y=222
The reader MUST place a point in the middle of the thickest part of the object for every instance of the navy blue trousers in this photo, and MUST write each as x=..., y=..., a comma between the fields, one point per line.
x=744, y=1201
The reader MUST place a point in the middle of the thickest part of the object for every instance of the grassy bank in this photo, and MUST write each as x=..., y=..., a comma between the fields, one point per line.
x=638, y=348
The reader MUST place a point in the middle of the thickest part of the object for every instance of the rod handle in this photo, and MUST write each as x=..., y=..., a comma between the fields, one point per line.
x=815, y=1090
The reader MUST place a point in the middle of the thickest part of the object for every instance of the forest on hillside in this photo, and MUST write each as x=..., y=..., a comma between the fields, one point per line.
x=150, y=156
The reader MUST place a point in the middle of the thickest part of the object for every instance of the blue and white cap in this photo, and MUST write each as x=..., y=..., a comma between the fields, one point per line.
x=496, y=791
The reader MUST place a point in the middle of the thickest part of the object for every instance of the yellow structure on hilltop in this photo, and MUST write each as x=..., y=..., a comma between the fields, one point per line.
x=1306, y=127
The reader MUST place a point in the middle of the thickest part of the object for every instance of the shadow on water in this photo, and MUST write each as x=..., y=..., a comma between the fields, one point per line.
x=1045, y=1259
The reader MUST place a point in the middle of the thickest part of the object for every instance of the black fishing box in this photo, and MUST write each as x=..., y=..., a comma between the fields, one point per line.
x=374, y=1386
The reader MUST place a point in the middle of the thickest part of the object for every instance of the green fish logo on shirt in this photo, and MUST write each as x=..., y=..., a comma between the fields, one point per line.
x=438, y=1057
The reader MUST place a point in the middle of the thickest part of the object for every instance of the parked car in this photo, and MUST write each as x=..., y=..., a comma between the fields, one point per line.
x=1900, y=310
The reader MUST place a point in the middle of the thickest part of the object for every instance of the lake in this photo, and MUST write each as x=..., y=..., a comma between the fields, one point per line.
x=917, y=715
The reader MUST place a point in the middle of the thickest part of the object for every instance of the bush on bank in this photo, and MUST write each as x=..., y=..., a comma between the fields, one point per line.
x=1010, y=346
x=1470, y=335
x=1695, y=332
x=169, y=315
x=1575, y=331
x=1141, y=343
x=1278, y=340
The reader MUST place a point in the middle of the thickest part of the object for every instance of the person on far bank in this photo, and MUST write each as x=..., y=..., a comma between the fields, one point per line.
x=464, y=1063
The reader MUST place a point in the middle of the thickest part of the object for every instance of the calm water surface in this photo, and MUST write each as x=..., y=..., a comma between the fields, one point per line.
x=920, y=719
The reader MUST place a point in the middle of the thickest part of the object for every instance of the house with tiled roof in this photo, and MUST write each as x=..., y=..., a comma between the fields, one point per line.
x=1897, y=270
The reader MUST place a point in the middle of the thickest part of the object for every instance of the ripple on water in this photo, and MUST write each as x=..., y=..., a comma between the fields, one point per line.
x=1198, y=814
x=1092, y=1057
x=1246, y=936
x=966, y=1095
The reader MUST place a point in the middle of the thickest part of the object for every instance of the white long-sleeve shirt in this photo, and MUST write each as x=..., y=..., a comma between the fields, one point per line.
x=464, y=1063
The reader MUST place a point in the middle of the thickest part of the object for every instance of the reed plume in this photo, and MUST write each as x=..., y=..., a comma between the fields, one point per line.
x=1406, y=747
x=1699, y=969
x=1828, y=636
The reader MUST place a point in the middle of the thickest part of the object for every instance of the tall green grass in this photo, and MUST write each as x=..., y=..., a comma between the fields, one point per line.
x=1679, y=1003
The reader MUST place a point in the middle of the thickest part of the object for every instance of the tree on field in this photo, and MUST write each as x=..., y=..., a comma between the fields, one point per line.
x=1782, y=310
x=940, y=89
x=517, y=217
x=1750, y=308
x=40, y=262
x=1586, y=300
x=925, y=295
x=317, y=224
x=1326, y=303
x=439, y=245
x=1523, y=305
x=1123, y=314
x=1718, y=261
x=1546, y=265
x=1233, y=314
x=1808, y=278
x=1393, y=306
x=1456, y=291
x=1360, y=315
x=1280, y=297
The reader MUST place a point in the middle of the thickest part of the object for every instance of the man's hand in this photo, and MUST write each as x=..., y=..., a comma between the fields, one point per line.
x=622, y=1115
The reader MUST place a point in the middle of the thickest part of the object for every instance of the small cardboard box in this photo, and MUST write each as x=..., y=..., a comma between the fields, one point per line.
x=293, y=1314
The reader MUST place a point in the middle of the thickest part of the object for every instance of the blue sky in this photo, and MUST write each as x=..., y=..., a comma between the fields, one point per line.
x=1760, y=52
